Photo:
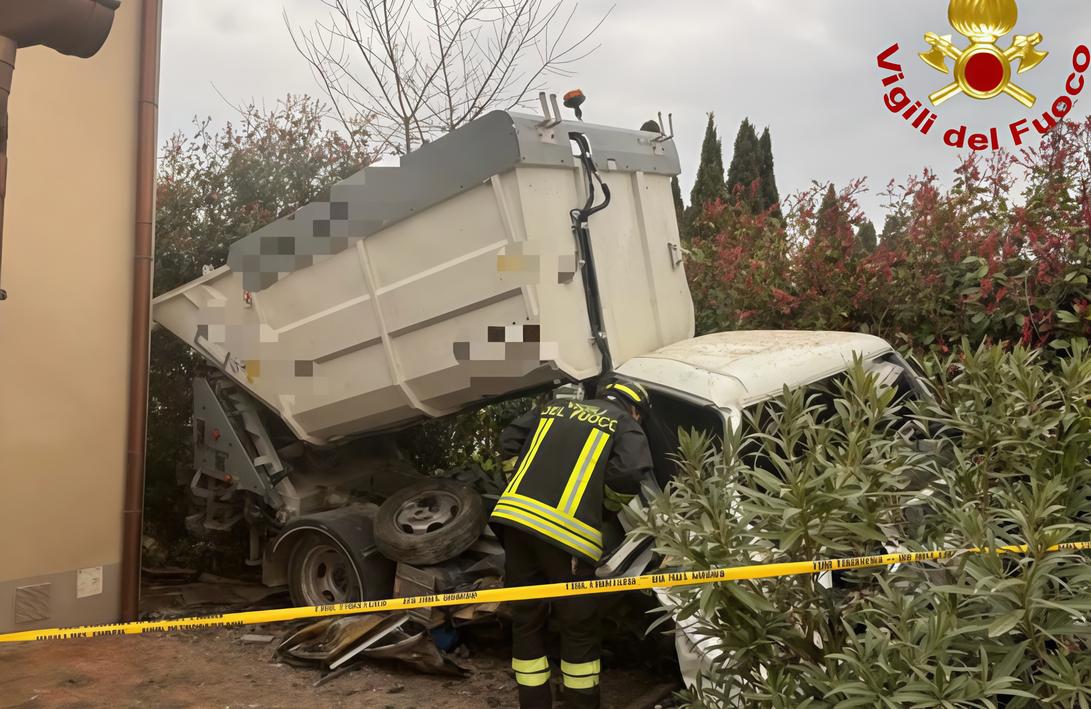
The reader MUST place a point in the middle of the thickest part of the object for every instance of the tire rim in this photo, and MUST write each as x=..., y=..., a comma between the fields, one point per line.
x=427, y=512
x=326, y=576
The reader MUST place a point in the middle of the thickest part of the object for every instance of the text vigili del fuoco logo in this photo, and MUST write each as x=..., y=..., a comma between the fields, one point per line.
x=982, y=69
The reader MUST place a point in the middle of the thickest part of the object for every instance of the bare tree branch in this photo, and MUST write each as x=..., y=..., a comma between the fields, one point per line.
x=420, y=68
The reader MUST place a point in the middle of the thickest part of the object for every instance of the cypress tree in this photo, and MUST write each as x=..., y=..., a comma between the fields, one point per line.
x=829, y=215
x=866, y=235
x=834, y=228
x=746, y=166
x=676, y=192
x=893, y=229
x=709, y=184
x=770, y=193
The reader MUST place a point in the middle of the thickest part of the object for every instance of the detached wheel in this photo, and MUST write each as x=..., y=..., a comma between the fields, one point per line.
x=429, y=522
x=320, y=573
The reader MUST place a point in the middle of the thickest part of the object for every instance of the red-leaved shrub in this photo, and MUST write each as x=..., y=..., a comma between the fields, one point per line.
x=1003, y=254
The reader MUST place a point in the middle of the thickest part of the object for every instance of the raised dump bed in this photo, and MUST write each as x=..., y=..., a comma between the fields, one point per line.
x=423, y=289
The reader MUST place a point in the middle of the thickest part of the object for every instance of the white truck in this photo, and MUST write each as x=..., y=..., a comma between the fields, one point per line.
x=514, y=255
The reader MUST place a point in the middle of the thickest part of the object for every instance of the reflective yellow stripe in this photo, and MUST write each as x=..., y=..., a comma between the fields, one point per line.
x=556, y=515
x=535, y=441
x=580, y=669
x=531, y=673
x=536, y=679
x=586, y=474
x=549, y=529
x=580, y=675
x=536, y=665
x=539, y=436
x=568, y=524
x=621, y=387
x=581, y=682
x=579, y=468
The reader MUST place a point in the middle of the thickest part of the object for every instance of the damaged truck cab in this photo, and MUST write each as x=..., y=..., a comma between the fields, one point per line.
x=514, y=255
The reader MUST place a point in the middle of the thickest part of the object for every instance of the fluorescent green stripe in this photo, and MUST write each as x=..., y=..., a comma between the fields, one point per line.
x=621, y=387
x=550, y=530
x=539, y=436
x=580, y=669
x=556, y=515
x=536, y=679
x=553, y=517
x=578, y=469
x=586, y=473
x=581, y=682
x=543, y=424
x=536, y=665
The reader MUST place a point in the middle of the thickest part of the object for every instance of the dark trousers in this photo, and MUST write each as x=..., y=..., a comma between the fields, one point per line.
x=528, y=561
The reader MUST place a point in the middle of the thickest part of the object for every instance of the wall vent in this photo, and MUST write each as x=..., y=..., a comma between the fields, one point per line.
x=32, y=603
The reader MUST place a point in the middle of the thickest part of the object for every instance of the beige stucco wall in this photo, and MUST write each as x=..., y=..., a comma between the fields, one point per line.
x=67, y=267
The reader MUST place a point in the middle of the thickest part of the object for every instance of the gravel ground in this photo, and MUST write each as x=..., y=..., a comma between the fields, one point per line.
x=215, y=668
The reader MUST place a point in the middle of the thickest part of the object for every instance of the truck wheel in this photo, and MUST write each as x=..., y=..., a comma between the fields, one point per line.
x=429, y=522
x=320, y=572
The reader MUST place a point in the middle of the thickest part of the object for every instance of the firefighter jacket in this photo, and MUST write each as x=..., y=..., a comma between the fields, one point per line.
x=573, y=456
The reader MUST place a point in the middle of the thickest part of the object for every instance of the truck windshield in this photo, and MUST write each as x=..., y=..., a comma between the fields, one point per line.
x=671, y=413
x=890, y=371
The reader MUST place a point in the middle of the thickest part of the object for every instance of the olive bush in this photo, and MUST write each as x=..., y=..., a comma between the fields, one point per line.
x=998, y=455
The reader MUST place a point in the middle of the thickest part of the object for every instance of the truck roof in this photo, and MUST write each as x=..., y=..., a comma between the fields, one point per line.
x=735, y=369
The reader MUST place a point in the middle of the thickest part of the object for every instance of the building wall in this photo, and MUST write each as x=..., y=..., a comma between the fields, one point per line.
x=67, y=267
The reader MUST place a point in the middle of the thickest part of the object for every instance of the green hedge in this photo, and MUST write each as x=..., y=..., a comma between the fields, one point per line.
x=1000, y=456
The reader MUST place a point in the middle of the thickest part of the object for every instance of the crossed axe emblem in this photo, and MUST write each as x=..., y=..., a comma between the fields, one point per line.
x=978, y=85
x=983, y=70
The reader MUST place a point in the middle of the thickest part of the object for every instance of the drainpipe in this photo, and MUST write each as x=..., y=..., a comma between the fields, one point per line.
x=140, y=334
x=7, y=68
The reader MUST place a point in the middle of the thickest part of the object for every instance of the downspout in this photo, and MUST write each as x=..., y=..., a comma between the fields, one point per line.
x=140, y=334
x=7, y=69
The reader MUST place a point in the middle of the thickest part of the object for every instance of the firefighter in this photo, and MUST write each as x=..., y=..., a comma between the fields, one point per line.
x=570, y=459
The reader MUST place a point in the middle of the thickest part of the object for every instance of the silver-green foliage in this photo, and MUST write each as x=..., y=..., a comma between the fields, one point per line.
x=1000, y=456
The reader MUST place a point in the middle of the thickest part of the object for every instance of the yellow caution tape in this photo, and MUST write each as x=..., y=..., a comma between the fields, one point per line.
x=517, y=593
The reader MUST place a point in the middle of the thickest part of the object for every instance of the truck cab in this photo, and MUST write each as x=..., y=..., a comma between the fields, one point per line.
x=514, y=255
x=707, y=383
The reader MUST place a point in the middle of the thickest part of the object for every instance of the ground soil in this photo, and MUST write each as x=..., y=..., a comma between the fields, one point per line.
x=215, y=668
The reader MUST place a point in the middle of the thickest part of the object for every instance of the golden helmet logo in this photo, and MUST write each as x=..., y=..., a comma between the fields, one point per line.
x=983, y=70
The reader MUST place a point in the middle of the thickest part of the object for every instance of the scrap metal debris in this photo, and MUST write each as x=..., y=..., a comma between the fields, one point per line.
x=339, y=643
x=419, y=652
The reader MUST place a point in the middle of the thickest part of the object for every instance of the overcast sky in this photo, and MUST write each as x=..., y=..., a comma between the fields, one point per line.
x=805, y=68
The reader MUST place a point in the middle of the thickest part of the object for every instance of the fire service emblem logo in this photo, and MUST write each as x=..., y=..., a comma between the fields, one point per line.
x=983, y=70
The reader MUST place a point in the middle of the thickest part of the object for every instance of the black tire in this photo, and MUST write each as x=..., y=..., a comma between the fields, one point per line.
x=320, y=572
x=429, y=522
